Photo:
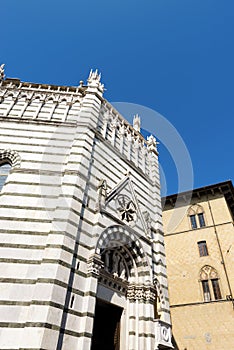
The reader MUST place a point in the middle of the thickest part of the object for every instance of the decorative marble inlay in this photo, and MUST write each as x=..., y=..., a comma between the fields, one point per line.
x=126, y=208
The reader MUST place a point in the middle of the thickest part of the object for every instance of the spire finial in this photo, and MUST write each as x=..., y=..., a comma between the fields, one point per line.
x=94, y=80
x=2, y=73
x=151, y=143
x=137, y=122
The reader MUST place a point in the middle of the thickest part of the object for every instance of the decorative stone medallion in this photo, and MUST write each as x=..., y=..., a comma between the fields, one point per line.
x=126, y=208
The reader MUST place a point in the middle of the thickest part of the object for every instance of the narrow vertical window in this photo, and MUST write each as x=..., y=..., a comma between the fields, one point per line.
x=203, y=250
x=216, y=289
x=201, y=220
x=206, y=290
x=4, y=171
x=193, y=221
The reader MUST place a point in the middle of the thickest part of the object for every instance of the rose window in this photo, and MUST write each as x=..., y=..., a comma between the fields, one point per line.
x=126, y=208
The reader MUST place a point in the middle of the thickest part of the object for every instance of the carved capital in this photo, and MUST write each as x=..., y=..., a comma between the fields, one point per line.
x=144, y=293
x=94, y=265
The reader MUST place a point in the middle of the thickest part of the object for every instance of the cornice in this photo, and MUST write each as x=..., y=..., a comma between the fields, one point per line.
x=222, y=188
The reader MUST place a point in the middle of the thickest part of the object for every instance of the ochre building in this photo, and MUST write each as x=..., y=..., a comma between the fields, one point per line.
x=199, y=242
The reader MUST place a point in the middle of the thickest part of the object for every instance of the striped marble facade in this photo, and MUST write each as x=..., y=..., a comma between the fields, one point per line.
x=75, y=161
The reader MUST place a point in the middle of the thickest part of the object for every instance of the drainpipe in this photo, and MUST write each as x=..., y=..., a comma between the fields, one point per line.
x=220, y=250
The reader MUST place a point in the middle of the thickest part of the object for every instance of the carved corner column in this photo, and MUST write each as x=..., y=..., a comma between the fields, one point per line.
x=141, y=316
x=132, y=317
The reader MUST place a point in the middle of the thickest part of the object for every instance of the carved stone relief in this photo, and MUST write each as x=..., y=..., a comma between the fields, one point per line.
x=141, y=292
x=126, y=208
x=115, y=264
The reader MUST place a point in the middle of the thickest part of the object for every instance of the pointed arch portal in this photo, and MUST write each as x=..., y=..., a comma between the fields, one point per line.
x=120, y=239
x=125, y=293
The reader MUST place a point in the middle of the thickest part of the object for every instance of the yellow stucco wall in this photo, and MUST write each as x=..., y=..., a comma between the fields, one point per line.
x=198, y=324
x=204, y=327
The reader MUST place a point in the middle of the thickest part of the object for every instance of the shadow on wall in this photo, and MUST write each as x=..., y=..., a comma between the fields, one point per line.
x=175, y=344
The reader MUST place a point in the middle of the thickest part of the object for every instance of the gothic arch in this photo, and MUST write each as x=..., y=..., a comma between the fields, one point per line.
x=207, y=272
x=10, y=94
x=23, y=96
x=209, y=280
x=124, y=241
x=11, y=156
x=50, y=98
x=37, y=97
x=76, y=100
x=63, y=100
x=195, y=209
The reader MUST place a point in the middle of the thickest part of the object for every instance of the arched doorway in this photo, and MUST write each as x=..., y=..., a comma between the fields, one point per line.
x=125, y=293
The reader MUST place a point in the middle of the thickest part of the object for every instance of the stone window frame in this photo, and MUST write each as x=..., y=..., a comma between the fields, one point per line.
x=202, y=248
x=196, y=216
x=9, y=157
x=211, y=291
x=4, y=172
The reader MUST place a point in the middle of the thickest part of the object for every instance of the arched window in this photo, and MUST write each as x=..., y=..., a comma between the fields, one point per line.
x=5, y=168
x=210, y=283
x=196, y=216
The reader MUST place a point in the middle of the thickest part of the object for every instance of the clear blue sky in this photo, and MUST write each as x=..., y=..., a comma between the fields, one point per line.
x=176, y=57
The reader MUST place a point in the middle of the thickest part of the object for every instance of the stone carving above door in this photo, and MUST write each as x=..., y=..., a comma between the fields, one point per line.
x=115, y=264
x=121, y=204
